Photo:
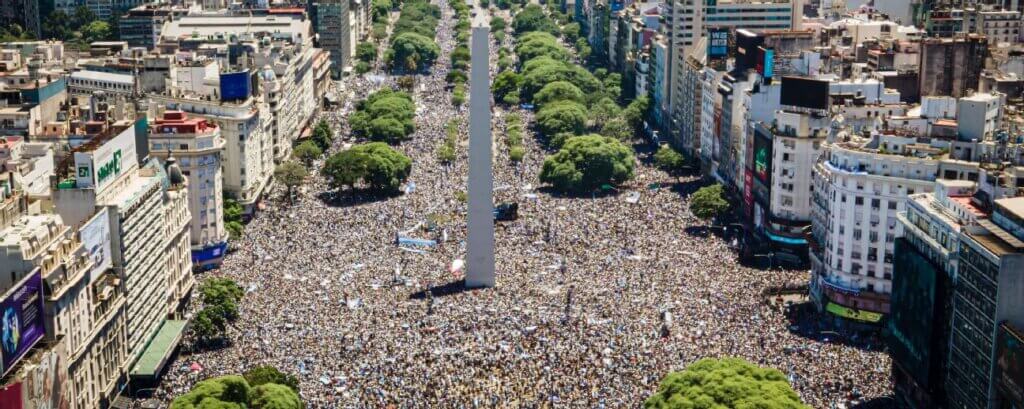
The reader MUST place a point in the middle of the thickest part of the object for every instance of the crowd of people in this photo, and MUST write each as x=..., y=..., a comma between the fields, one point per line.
x=597, y=298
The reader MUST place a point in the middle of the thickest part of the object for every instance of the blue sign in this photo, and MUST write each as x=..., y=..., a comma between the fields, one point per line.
x=718, y=42
x=235, y=86
x=769, y=63
x=21, y=320
x=211, y=252
x=409, y=241
x=528, y=107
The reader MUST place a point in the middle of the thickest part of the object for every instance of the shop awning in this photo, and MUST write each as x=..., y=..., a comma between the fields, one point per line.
x=159, y=349
x=858, y=315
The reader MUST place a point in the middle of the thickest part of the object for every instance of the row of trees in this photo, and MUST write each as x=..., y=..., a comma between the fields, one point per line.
x=514, y=137
x=460, y=55
x=263, y=387
x=385, y=116
x=413, y=48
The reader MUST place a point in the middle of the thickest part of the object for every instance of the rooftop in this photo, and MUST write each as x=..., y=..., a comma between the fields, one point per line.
x=103, y=76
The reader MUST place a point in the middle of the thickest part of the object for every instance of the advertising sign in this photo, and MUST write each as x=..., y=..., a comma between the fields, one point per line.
x=21, y=312
x=1009, y=378
x=101, y=166
x=766, y=67
x=804, y=92
x=718, y=42
x=95, y=235
x=234, y=86
x=762, y=158
x=45, y=385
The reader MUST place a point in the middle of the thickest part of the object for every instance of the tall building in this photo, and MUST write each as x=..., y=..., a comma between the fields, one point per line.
x=197, y=146
x=989, y=294
x=103, y=9
x=952, y=66
x=860, y=185
x=141, y=25
x=688, y=20
x=334, y=32
x=926, y=260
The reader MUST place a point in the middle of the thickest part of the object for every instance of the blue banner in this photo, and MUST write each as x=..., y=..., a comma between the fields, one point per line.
x=22, y=325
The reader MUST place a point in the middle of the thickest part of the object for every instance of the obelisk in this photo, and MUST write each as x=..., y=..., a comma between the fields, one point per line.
x=480, y=246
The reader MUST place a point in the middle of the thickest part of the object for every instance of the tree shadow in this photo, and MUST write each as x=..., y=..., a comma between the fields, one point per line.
x=881, y=402
x=806, y=322
x=444, y=290
x=354, y=197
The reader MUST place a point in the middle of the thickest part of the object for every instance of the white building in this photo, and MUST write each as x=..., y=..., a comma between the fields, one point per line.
x=860, y=186
x=86, y=83
x=979, y=114
x=197, y=146
x=1000, y=26
x=148, y=251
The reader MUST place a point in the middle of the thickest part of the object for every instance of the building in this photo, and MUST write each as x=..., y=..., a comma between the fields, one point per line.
x=141, y=26
x=860, y=186
x=103, y=9
x=332, y=20
x=952, y=66
x=999, y=26
x=687, y=21
x=979, y=115
x=149, y=224
x=989, y=295
x=83, y=84
x=197, y=146
x=926, y=257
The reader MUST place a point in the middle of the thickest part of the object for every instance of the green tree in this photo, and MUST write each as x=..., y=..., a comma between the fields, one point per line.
x=233, y=218
x=456, y=77
x=413, y=51
x=588, y=162
x=497, y=24
x=381, y=9
x=669, y=160
x=540, y=44
x=375, y=164
x=558, y=91
x=709, y=202
x=323, y=135
x=307, y=152
x=290, y=174
x=275, y=396
x=562, y=116
x=516, y=153
x=233, y=392
x=532, y=18
x=724, y=383
x=265, y=374
x=602, y=111
x=636, y=111
x=505, y=83
x=459, y=95
x=224, y=392
x=387, y=129
x=544, y=70
x=96, y=31
x=366, y=51
x=571, y=32
x=618, y=129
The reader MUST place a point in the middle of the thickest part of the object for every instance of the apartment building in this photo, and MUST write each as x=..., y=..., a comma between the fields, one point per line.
x=860, y=186
x=989, y=295
x=196, y=146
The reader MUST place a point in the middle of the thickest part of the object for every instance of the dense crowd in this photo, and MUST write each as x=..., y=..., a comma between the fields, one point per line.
x=597, y=298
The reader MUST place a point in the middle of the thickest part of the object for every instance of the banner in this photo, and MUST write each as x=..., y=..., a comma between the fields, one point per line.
x=45, y=385
x=21, y=312
x=95, y=235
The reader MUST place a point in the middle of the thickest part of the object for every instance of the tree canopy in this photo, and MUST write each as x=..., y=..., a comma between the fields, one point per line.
x=375, y=164
x=307, y=152
x=558, y=91
x=413, y=47
x=669, y=160
x=709, y=202
x=532, y=18
x=290, y=174
x=265, y=374
x=562, y=116
x=724, y=383
x=588, y=162
x=234, y=392
x=385, y=115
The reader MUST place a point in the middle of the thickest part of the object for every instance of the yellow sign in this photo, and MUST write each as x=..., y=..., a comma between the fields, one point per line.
x=859, y=315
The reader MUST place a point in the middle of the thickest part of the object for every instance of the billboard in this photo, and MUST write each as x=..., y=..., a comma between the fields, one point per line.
x=912, y=318
x=95, y=235
x=21, y=312
x=45, y=385
x=1009, y=377
x=101, y=166
x=718, y=42
x=766, y=64
x=234, y=86
x=804, y=92
x=763, y=157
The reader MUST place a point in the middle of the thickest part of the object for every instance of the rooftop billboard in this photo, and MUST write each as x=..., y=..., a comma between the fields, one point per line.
x=101, y=166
